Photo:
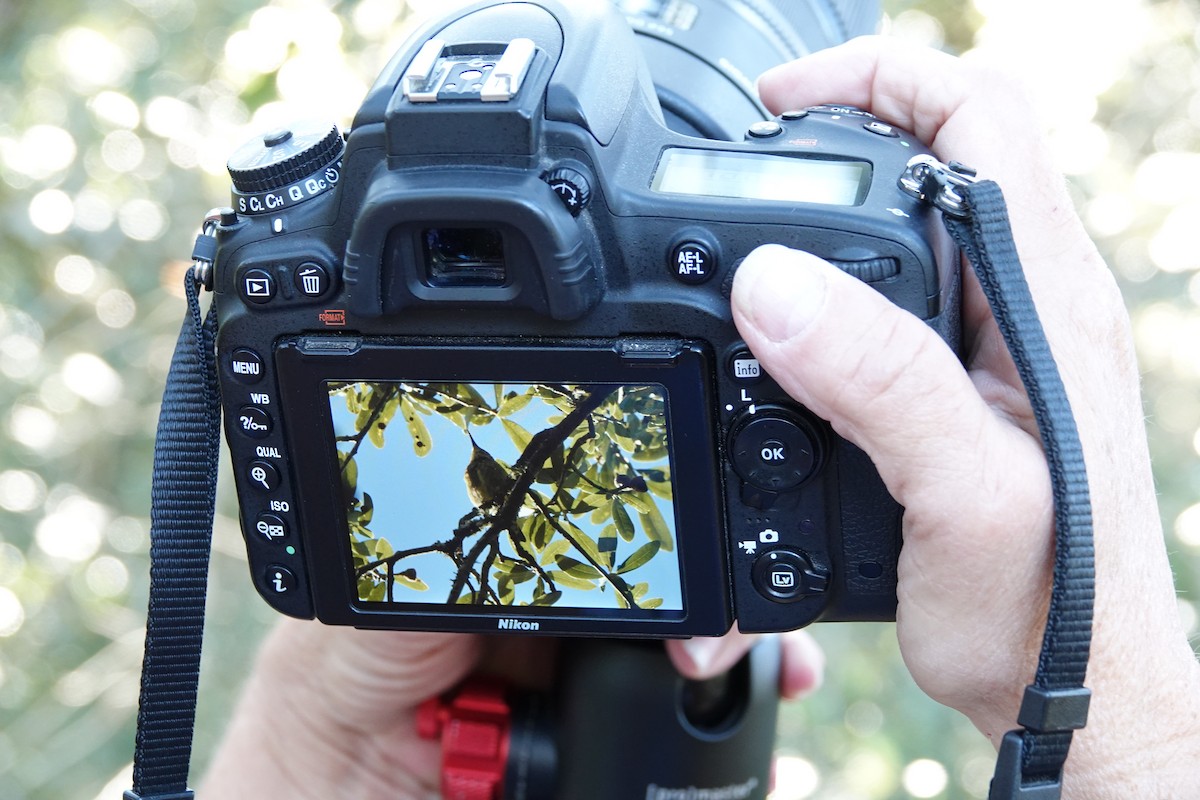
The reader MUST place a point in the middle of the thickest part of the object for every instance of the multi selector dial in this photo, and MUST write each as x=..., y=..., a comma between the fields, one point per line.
x=286, y=166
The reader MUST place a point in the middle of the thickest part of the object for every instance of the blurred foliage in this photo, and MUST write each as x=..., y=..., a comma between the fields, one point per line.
x=118, y=115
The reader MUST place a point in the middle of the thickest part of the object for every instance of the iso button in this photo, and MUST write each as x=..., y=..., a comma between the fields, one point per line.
x=692, y=262
x=774, y=451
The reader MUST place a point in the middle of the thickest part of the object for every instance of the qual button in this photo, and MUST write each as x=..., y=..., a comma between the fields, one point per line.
x=263, y=475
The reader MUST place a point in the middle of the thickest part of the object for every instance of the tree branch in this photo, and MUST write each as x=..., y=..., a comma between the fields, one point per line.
x=535, y=454
x=618, y=584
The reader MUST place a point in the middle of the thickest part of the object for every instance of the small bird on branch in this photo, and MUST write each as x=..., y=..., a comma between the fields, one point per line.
x=488, y=481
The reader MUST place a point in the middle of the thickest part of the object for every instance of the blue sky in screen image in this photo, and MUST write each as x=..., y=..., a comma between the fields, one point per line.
x=421, y=500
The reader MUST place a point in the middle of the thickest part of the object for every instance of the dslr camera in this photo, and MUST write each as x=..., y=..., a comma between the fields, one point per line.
x=477, y=361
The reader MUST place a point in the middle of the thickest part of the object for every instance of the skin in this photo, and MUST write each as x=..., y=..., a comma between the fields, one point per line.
x=329, y=712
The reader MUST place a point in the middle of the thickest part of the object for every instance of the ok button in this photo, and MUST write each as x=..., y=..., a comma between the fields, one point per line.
x=773, y=452
x=774, y=449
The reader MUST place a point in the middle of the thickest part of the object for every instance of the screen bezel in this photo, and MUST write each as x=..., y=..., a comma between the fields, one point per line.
x=304, y=370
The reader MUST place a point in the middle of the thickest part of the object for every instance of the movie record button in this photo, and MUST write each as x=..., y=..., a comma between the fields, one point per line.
x=785, y=576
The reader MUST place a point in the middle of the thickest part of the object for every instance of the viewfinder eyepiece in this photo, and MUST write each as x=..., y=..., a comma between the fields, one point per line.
x=464, y=257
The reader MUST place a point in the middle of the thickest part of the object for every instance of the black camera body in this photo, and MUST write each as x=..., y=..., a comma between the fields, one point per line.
x=478, y=365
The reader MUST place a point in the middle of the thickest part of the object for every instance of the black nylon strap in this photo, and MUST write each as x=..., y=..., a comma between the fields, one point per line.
x=1055, y=704
x=182, y=497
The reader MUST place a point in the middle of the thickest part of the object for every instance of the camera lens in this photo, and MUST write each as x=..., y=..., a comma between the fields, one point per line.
x=464, y=257
x=704, y=54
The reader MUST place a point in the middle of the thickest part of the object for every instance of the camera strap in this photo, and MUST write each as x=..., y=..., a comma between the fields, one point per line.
x=182, y=497
x=1056, y=703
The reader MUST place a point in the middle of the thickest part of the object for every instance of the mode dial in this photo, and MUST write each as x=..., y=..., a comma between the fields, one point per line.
x=285, y=166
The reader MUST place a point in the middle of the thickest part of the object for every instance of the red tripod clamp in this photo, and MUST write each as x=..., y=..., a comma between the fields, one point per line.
x=474, y=725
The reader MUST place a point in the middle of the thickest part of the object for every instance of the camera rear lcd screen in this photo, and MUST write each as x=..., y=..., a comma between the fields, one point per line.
x=762, y=176
x=508, y=494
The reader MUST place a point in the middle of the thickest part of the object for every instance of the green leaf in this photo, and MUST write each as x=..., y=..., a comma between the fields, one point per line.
x=514, y=403
x=653, y=602
x=570, y=581
x=504, y=590
x=621, y=519
x=578, y=569
x=638, y=590
x=585, y=543
x=422, y=443
x=548, y=599
x=639, y=557
x=556, y=548
x=521, y=573
x=656, y=528
x=409, y=579
x=349, y=478
x=519, y=435
x=383, y=549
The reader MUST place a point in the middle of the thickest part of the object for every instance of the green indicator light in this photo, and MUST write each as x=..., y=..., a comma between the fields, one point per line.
x=291, y=551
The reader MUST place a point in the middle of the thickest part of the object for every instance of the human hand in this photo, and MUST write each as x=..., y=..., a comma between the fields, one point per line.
x=330, y=712
x=957, y=446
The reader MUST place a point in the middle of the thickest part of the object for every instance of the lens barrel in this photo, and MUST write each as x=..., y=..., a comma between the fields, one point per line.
x=705, y=55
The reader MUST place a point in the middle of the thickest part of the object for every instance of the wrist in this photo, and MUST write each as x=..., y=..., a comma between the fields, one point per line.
x=1143, y=733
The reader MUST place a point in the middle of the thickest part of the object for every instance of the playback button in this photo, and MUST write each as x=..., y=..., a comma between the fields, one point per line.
x=258, y=286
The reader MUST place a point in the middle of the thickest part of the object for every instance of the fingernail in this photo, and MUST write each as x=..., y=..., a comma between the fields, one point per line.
x=779, y=291
x=703, y=651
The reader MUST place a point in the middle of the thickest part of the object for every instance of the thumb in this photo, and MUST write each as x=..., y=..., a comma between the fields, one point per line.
x=882, y=378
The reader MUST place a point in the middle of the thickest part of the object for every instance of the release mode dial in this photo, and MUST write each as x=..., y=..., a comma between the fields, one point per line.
x=285, y=166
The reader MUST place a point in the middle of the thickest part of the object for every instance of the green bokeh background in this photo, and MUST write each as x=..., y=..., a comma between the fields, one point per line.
x=115, y=120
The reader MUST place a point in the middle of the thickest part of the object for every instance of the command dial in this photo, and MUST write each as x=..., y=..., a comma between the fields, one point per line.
x=285, y=166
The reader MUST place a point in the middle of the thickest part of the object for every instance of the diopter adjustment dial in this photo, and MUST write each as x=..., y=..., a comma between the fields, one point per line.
x=572, y=188
x=285, y=166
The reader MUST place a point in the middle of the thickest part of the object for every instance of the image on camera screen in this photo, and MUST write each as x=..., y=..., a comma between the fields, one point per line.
x=508, y=494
